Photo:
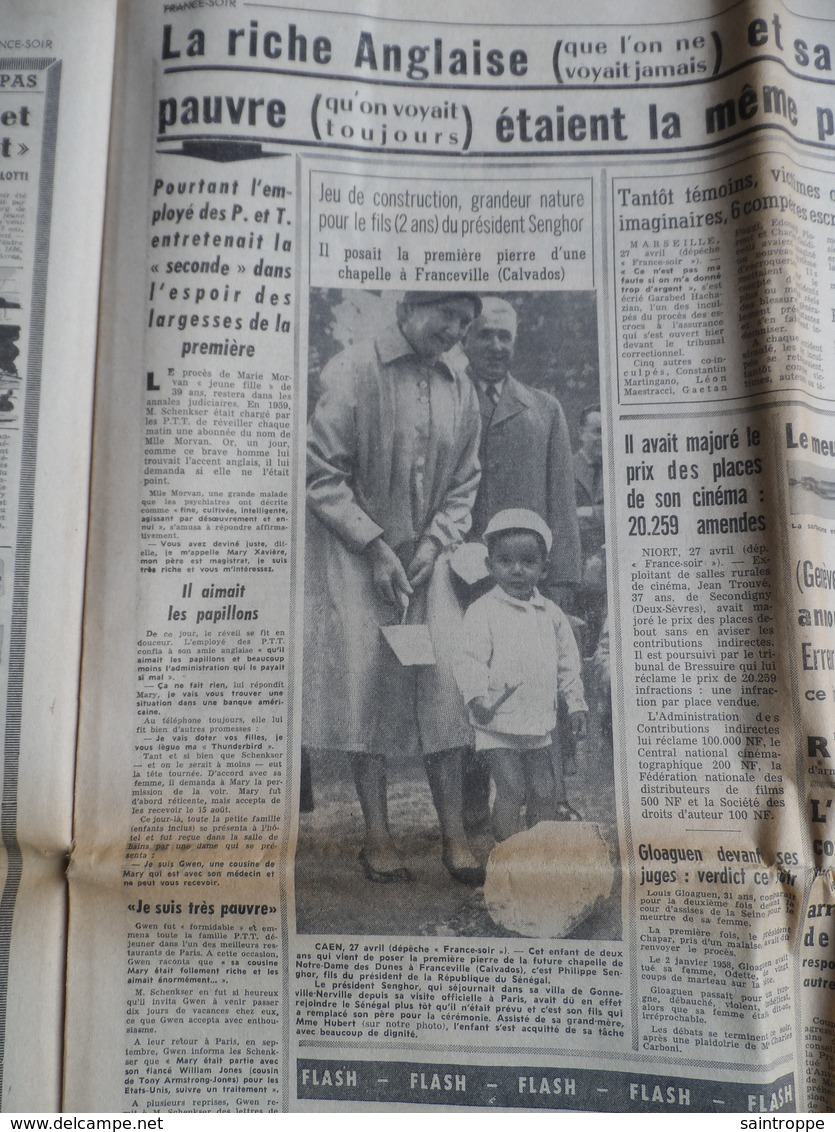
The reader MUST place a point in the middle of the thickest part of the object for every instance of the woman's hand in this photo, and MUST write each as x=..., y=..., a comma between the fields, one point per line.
x=421, y=567
x=390, y=580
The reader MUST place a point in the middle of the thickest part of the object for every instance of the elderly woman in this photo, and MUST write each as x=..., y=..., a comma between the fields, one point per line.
x=392, y=476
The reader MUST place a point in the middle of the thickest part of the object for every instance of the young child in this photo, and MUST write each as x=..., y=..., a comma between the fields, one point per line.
x=518, y=654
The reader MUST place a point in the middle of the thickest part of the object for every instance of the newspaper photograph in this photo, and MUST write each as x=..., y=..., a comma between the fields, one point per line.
x=448, y=720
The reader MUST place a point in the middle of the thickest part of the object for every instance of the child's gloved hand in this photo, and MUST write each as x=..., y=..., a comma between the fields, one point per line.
x=578, y=722
x=483, y=710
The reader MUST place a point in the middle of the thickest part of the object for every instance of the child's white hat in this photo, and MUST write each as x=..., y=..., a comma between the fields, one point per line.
x=519, y=519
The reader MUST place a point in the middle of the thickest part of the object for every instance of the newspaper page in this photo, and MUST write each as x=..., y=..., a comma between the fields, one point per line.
x=456, y=708
x=55, y=86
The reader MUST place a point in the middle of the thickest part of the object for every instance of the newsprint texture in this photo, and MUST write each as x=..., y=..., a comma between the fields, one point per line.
x=417, y=584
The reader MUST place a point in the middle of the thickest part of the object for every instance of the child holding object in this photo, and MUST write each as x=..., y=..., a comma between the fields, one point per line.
x=517, y=655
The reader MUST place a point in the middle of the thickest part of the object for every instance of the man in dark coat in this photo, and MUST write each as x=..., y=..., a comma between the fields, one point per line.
x=525, y=449
x=588, y=484
x=588, y=479
x=525, y=455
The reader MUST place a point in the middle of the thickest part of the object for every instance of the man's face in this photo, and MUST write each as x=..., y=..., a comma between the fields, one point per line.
x=489, y=345
x=591, y=438
x=433, y=328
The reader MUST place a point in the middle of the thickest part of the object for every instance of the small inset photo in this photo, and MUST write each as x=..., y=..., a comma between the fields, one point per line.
x=811, y=489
